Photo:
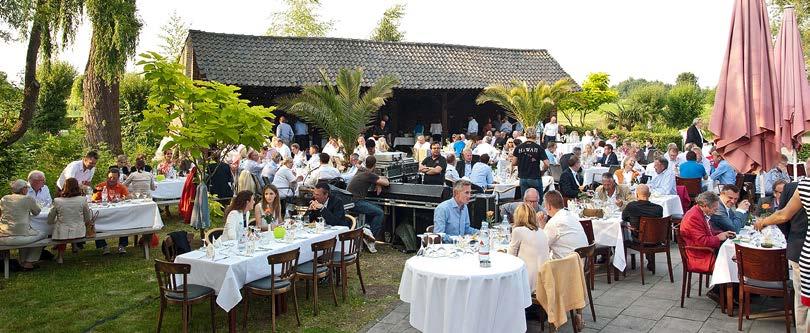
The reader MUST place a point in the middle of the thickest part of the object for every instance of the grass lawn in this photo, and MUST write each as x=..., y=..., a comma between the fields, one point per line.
x=94, y=293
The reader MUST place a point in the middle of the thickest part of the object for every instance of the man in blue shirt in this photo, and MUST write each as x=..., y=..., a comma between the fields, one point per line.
x=284, y=131
x=481, y=174
x=691, y=169
x=458, y=145
x=725, y=173
x=779, y=172
x=451, y=217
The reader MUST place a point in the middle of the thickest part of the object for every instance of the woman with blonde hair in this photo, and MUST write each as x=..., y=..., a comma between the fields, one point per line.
x=382, y=145
x=588, y=156
x=627, y=173
x=529, y=242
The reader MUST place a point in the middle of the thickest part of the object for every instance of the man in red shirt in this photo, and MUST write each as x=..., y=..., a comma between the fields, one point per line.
x=117, y=191
x=697, y=231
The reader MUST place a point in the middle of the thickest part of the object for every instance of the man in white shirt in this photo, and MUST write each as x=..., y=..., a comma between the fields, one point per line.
x=472, y=126
x=663, y=183
x=354, y=165
x=325, y=172
x=451, y=174
x=420, y=149
x=551, y=130
x=282, y=148
x=82, y=170
x=37, y=188
x=563, y=230
x=484, y=147
x=673, y=160
x=299, y=158
x=314, y=159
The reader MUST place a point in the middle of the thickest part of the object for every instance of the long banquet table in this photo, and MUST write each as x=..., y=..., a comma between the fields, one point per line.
x=169, y=188
x=457, y=295
x=131, y=214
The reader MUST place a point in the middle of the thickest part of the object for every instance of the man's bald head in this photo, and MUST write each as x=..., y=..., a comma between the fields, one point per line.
x=643, y=192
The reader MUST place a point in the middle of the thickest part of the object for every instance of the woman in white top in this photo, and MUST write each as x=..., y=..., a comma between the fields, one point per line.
x=528, y=243
x=361, y=149
x=332, y=147
x=285, y=180
x=268, y=210
x=237, y=215
x=139, y=180
x=587, y=139
x=588, y=156
x=381, y=145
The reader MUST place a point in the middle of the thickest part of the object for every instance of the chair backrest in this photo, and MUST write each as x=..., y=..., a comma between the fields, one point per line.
x=761, y=264
x=681, y=247
x=288, y=262
x=588, y=226
x=167, y=277
x=693, y=186
x=167, y=247
x=430, y=228
x=322, y=252
x=214, y=233
x=556, y=171
x=654, y=230
x=350, y=242
x=740, y=180
x=352, y=220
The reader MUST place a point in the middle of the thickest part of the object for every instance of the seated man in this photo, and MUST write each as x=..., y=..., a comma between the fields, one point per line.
x=563, y=230
x=695, y=231
x=610, y=191
x=609, y=158
x=323, y=173
x=551, y=149
x=531, y=197
x=691, y=169
x=114, y=190
x=779, y=172
x=724, y=174
x=642, y=207
x=451, y=174
x=481, y=174
x=323, y=205
x=451, y=217
x=570, y=180
x=37, y=188
x=730, y=216
x=663, y=182
x=363, y=180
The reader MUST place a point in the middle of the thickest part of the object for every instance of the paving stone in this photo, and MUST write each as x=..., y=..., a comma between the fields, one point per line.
x=632, y=323
x=616, y=329
x=603, y=311
x=767, y=325
x=726, y=324
x=677, y=325
x=393, y=317
x=618, y=297
x=689, y=313
x=381, y=328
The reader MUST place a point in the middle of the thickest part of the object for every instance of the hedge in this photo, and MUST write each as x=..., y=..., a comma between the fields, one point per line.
x=660, y=138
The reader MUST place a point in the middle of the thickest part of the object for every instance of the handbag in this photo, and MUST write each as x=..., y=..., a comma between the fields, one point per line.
x=91, y=226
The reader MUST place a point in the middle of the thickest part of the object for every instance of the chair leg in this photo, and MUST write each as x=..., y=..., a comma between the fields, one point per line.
x=592, y=272
x=573, y=321
x=189, y=315
x=345, y=280
x=160, y=314
x=307, y=283
x=700, y=284
x=689, y=285
x=708, y=277
x=273, y=312
x=683, y=286
x=669, y=265
x=360, y=276
x=184, y=315
x=295, y=303
x=314, y=293
x=741, y=310
x=247, y=309
x=641, y=263
x=607, y=262
x=747, y=306
x=332, y=284
x=213, y=313
x=590, y=300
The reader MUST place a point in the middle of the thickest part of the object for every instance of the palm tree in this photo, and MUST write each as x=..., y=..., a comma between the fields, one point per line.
x=528, y=105
x=340, y=110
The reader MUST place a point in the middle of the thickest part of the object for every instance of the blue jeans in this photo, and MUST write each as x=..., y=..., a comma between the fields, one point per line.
x=374, y=215
x=537, y=184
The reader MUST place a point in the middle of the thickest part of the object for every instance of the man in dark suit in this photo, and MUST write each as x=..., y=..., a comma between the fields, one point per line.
x=570, y=181
x=693, y=134
x=609, y=158
x=323, y=205
x=465, y=163
x=729, y=215
x=577, y=151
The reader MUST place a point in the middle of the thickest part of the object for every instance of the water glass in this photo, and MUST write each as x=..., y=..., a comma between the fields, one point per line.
x=320, y=225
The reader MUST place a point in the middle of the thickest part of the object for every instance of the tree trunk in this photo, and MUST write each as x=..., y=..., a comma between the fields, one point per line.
x=101, y=101
x=31, y=86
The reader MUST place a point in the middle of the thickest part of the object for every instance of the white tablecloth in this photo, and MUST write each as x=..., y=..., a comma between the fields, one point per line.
x=565, y=148
x=725, y=269
x=227, y=276
x=128, y=215
x=456, y=295
x=169, y=188
x=608, y=232
x=404, y=141
x=593, y=173
x=671, y=203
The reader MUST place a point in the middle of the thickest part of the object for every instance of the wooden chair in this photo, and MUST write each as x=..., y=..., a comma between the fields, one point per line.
x=319, y=267
x=689, y=268
x=653, y=237
x=587, y=255
x=430, y=228
x=351, y=219
x=214, y=233
x=605, y=251
x=762, y=272
x=185, y=294
x=275, y=284
x=693, y=187
x=350, y=245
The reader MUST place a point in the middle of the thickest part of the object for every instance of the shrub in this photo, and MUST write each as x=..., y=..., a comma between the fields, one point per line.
x=660, y=138
x=55, y=82
x=684, y=104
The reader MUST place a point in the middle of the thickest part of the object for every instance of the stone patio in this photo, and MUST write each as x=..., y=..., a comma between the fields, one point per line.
x=628, y=306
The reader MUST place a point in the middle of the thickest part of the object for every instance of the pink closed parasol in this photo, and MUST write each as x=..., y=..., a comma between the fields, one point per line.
x=791, y=79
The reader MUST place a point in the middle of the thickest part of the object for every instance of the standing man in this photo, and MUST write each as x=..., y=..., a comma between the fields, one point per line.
x=284, y=131
x=434, y=166
x=82, y=170
x=472, y=126
x=551, y=130
x=421, y=148
x=451, y=217
x=362, y=181
x=301, y=134
x=694, y=135
x=528, y=157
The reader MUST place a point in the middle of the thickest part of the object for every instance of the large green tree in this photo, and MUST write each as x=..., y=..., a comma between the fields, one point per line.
x=686, y=78
x=528, y=105
x=299, y=19
x=387, y=29
x=595, y=92
x=56, y=81
x=113, y=41
x=134, y=100
x=343, y=110
x=10, y=103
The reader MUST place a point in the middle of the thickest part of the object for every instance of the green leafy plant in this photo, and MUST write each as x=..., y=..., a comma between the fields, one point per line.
x=55, y=83
x=387, y=29
x=595, y=92
x=684, y=104
x=340, y=110
x=627, y=115
x=528, y=105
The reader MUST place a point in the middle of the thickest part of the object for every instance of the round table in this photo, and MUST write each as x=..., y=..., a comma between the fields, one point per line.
x=457, y=295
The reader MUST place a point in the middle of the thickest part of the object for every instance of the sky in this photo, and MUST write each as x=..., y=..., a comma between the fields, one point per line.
x=651, y=39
